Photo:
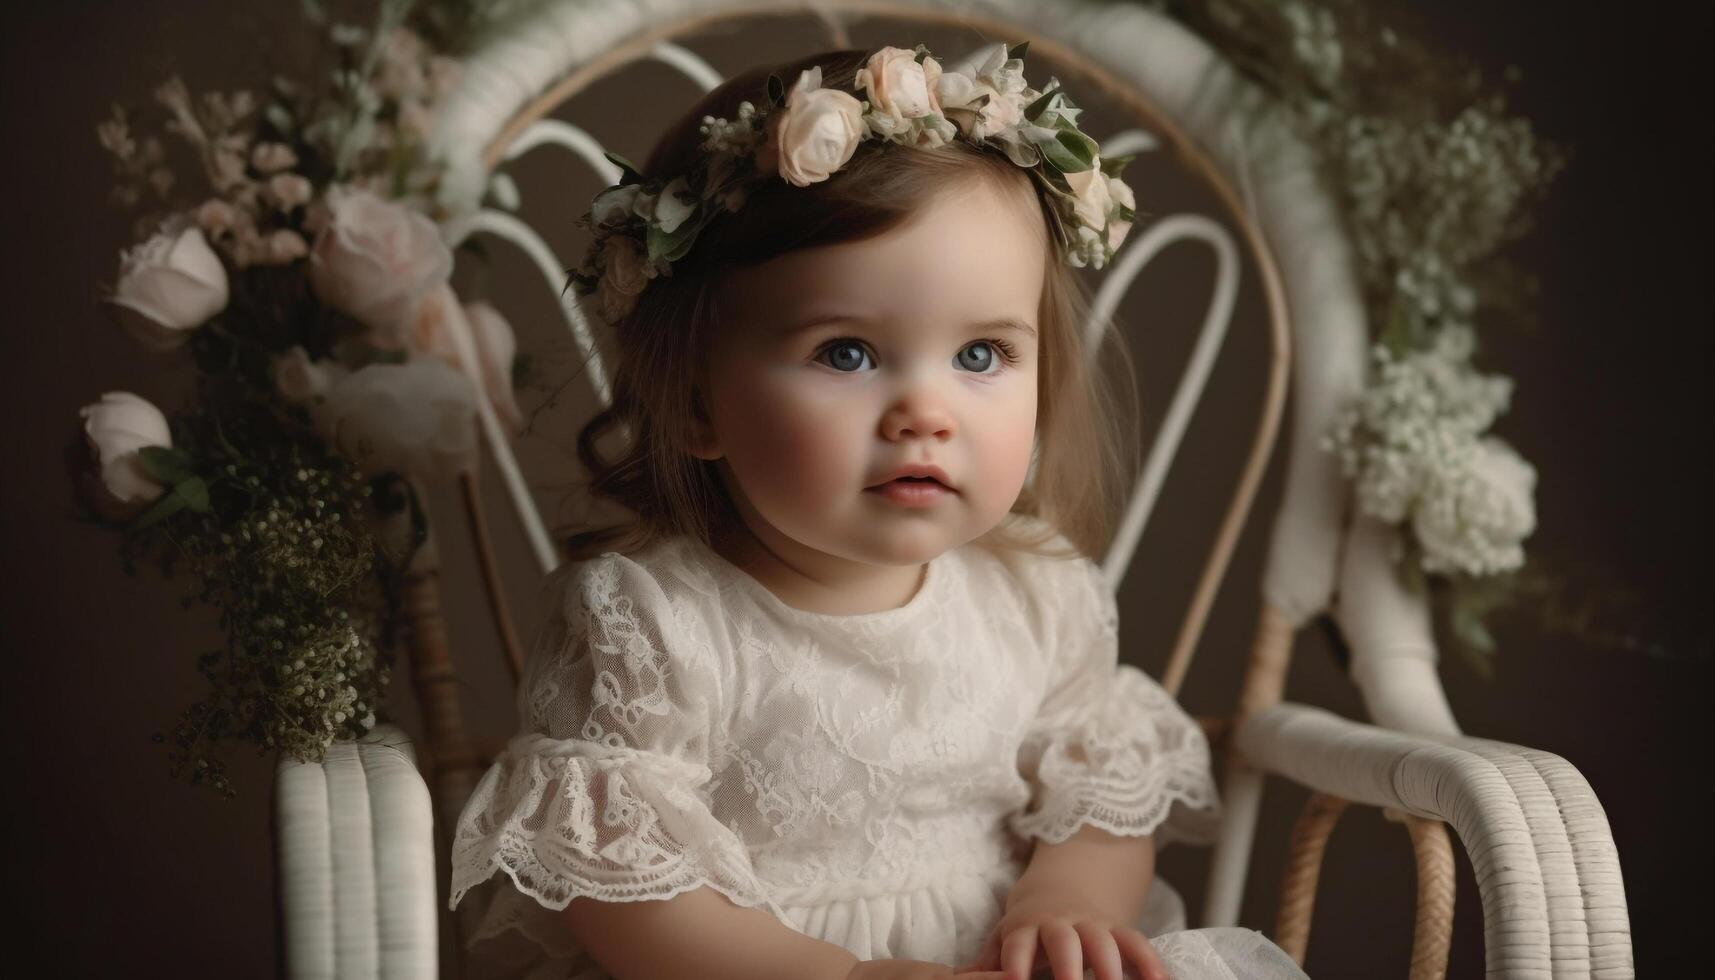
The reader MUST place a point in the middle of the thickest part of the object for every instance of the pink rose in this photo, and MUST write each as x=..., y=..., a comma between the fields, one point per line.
x=900, y=87
x=440, y=324
x=814, y=134
x=374, y=260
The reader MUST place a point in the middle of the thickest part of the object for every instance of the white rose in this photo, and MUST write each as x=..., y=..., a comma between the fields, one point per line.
x=614, y=206
x=439, y=321
x=959, y=94
x=900, y=87
x=814, y=134
x=374, y=260
x=298, y=378
x=1121, y=194
x=1090, y=187
x=671, y=212
x=114, y=429
x=1475, y=518
x=417, y=418
x=169, y=286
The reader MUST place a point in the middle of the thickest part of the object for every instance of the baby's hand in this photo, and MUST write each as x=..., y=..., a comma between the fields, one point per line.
x=1073, y=936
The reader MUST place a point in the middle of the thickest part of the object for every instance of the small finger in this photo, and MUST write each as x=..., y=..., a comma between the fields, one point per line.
x=1101, y=953
x=1018, y=953
x=1065, y=951
x=1140, y=952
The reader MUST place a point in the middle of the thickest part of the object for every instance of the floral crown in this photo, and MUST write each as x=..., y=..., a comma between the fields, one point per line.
x=806, y=134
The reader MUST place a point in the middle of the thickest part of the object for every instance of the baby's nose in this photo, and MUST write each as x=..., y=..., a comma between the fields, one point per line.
x=916, y=417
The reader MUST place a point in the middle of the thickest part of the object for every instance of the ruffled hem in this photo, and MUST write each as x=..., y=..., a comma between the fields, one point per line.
x=1136, y=765
x=1177, y=814
x=567, y=819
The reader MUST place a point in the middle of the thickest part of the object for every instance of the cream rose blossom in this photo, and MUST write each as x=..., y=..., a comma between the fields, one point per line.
x=1091, y=189
x=496, y=347
x=169, y=286
x=814, y=134
x=898, y=85
x=374, y=260
x=417, y=418
x=439, y=322
x=115, y=429
x=1120, y=192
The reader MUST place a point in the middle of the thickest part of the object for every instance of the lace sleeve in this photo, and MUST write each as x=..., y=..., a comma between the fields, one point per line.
x=601, y=794
x=1108, y=747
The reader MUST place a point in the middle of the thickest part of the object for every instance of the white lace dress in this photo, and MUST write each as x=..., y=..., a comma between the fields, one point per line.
x=872, y=780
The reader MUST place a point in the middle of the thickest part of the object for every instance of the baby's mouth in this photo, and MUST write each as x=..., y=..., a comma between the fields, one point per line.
x=908, y=480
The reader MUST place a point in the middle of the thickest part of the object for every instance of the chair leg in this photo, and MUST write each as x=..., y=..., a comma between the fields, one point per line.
x=1433, y=937
x=1303, y=867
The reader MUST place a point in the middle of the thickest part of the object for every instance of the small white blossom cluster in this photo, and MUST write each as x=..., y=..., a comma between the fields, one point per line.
x=262, y=210
x=1427, y=200
x=1315, y=41
x=1414, y=443
x=317, y=693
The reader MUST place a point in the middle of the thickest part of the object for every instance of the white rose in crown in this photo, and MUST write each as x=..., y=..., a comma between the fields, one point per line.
x=1474, y=518
x=1090, y=187
x=986, y=72
x=375, y=260
x=169, y=286
x=670, y=208
x=1120, y=193
x=417, y=418
x=440, y=323
x=614, y=206
x=814, y=134
x=114, y=430
x=900, y=87
x=959, y=97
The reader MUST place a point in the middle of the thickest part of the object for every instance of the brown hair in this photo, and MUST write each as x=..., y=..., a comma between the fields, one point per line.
x=1074, y=488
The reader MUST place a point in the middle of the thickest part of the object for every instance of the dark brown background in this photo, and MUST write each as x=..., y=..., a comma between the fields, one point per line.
x=115, y=869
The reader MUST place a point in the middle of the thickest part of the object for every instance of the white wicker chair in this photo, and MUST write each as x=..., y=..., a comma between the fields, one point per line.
x=359, y=904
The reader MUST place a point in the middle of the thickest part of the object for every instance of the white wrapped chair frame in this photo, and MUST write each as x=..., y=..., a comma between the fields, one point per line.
x=1546, y=866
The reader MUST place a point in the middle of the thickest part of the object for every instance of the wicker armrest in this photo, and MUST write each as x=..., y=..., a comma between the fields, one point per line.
x=1538, y=839
x=355, y=836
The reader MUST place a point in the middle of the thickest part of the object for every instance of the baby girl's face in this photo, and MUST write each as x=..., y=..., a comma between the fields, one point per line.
x=840, y=365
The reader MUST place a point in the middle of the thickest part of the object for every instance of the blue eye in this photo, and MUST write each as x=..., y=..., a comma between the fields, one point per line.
x=844, y=355
x=977, y=357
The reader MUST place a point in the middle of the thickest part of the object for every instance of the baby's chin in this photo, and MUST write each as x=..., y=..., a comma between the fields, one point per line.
x=910, y=546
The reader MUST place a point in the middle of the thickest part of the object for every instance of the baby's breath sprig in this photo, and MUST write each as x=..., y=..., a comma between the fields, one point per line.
x=1434, y=179
x=283, y=546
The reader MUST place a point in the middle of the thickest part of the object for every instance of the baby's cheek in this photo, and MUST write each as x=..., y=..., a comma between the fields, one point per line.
x=1006, y=445
x=794, y=445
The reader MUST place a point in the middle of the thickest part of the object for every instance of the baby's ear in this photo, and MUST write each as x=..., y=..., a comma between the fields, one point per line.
x=701, y=435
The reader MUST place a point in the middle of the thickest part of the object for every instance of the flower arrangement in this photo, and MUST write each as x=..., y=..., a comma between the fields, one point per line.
x=1434, y=178
x=804, y=134
x=301, y=269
